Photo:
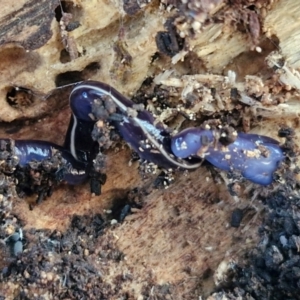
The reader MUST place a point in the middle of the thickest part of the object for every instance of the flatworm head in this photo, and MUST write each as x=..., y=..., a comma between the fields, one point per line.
x=256, y=157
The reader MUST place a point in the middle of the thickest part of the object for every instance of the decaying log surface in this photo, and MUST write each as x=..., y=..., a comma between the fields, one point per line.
x=178, y=242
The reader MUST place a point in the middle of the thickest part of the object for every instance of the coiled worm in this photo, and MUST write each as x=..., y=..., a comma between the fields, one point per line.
x=256, y=157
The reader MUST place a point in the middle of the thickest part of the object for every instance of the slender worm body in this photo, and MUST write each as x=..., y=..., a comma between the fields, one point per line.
x=255, y=157
x=136, y=127
x=27, y=151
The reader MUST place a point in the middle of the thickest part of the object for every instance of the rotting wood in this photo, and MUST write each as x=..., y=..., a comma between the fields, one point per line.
x=180, y=235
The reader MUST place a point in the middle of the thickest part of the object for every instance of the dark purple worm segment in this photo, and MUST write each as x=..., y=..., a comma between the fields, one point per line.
x=27, y=151
x=136, y=126
x=256, y=157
